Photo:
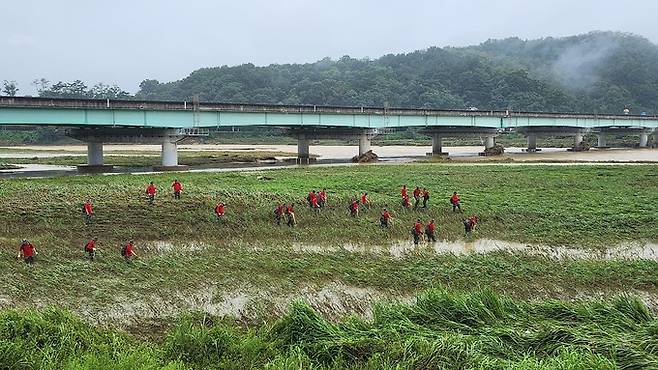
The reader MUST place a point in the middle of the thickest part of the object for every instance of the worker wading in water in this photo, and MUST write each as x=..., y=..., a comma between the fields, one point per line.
x=430, y=231
x=417, y=231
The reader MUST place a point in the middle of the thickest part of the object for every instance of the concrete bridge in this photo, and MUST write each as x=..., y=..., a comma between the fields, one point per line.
x=104, y=121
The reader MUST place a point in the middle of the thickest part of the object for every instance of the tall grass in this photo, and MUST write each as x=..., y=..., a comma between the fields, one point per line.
x=478, y=329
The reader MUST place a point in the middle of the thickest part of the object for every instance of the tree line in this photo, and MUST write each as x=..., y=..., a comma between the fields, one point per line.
x=601, y=72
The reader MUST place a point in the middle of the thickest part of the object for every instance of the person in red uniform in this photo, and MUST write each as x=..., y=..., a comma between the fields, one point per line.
x=314, y=202
x=426, y=197
x=385, y=218
x=403, y=191
x=416, y=197
x=90, y=248
x=219, y=210
x=354, y=208
x=473, y=219
x=88, y=211
x=469, y=224
x=429, y=231
x=150, y=192
x=454, y=200
x=27, y=251
x=417, y=231
x=405, y=202
x=278, y=213
x=290, y=214
x=309, y=198
x=178, y=188
x=365, y=201
x=322, y=198
x=128, y=251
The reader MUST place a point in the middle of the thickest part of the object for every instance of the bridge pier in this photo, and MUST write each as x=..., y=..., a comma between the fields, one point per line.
x=364, y=143
x=601, y=139
x=95, y=159
x=532, y=143
x=489, y=142
x=303, y=149
x=644, y=139
x=94, y=153
x=169, y=152
x=437, y=144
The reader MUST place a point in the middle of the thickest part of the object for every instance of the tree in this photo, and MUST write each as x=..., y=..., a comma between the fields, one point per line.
x=9, y=88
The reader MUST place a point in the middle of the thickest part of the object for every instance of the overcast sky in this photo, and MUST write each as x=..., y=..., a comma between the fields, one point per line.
x=126, y=41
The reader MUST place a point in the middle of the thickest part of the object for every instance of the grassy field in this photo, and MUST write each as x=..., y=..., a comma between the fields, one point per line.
x=498, y=310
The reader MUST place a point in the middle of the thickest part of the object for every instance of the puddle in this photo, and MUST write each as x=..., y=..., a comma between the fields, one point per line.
x=168, y=247
x=628, y=250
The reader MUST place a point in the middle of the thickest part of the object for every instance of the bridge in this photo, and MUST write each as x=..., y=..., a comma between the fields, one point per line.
x=165, y=122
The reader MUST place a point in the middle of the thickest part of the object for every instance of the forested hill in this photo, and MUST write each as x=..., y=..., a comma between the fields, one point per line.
x=596, y=72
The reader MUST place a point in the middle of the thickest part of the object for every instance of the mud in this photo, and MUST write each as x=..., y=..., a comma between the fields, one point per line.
x=629, y=250
x=334, y=300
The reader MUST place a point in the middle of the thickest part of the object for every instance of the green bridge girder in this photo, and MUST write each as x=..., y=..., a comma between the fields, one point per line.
x=26, y=111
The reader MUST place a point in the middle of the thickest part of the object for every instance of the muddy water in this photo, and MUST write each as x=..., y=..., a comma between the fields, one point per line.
x=630, y=250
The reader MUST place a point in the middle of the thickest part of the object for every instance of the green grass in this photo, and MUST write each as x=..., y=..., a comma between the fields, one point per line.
x=582, y=206
x=442, y=329
x=590, y=206
x=499, y=310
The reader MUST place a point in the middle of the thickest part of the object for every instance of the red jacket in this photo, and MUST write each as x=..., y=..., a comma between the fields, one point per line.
x=386, y=215
x=364, y=199
x=91, y=244
x=430, y=228
x=177, y=186
x=454, y=199
x=419, y=227
x=219, y=209
x=150, y=190
x=87, y=208
x=128, y=252
x=416, y=193
x=27, y=249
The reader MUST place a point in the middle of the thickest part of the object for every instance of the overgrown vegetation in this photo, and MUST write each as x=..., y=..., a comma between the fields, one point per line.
x=248, y=269
x=556, y=205
x=190, y=260
x=475, y=330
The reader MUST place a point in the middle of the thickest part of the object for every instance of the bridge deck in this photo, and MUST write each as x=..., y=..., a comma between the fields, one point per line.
x=169, y=114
